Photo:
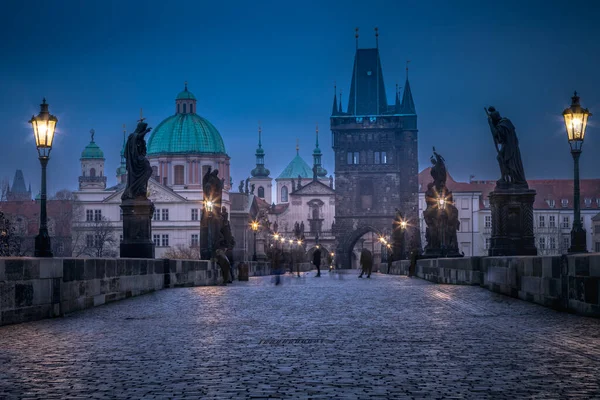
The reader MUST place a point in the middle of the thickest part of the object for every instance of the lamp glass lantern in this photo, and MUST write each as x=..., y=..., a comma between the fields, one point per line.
x=208, y=205
x=576, y=118
x=44, y=126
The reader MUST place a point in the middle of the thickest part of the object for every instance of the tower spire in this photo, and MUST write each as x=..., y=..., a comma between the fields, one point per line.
x=334, y=109
x=260, y=171
x=141, y=115
x=341, y=102
x=297, y=146
x=408, y=104
x=317, y=135
x=259, y=135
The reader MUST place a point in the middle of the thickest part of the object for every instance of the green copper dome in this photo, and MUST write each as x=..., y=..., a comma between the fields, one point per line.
x=296, y=167
x=185, y=134
x=92, y=151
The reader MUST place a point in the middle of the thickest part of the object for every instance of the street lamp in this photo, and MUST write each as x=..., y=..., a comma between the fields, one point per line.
x=43, y=125
x=254, y=225
x=576, y=118
x=441, y=200
x=208, y=207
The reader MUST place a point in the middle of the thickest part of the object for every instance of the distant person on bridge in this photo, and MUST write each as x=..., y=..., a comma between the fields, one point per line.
x=366, y=261
x=317, y=260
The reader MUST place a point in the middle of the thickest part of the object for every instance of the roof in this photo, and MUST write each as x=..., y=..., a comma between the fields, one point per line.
x=92, y=151
x=550, y=193
x=185, y=95
x=18, y=185
x=296, y=167
x=408, y=104
x=185, y=134
x=313, y=188
x=279, y=208
x=367, y=91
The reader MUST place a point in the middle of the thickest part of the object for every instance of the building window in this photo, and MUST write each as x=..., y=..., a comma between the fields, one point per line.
x=195, y=240
x=89, y=240
x=165, y=240
x=542, y=243
x=464, y=204
x=597, y=247
x=596, y=229
x=488, y=242
x=89, y=215
x=184, y=108
x=551, y=203
x=552, y=221
x=284, y=194
x=486, y=203
x=194, y=214
x=156, y=216
x=380, y=157
x=156, y=240
x=565, y=223
x=566, y=242
x=353, y=158
x=488, y=221
x=552, y=243
x=97, y=215
x=465, y=225
x=191, y=108
x=165, y=214
x=588, y=202
x=564, y=203
x=542, y=221
x=92, y=172
x=178, y=171
x=261, y=192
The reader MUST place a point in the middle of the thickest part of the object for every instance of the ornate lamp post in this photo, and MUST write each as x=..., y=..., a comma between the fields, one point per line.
x=441, y=202
x=576, y=121
x=43, y=125
x=403, y=225
x=208, y=207
x=254, y=225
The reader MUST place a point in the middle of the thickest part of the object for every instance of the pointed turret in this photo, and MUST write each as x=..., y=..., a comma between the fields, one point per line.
x=334, y=110
x=341, y=112
x=397, y=105
x=260, y=171
x=408, y=104
x=367, y=91
x=18, y=191
x=318, y=170
x=122, y=170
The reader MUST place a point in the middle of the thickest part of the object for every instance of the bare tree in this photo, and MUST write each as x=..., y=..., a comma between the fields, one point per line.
x=10, y=242
x=182, y=252
x=64, y=194
x=95, y=239
x=4, y=188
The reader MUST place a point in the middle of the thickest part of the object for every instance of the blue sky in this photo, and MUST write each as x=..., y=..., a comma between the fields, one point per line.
x=276, y=62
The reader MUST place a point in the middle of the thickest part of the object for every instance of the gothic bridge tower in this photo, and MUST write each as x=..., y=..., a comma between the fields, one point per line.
x=376, y=165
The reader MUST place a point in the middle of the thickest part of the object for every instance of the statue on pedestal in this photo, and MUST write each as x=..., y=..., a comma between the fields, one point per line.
x=137, y=209
x=441, y=216
x=511, y=202
x=210, y=222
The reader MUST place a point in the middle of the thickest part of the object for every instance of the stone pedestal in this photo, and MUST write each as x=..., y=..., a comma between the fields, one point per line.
x=137, y=229
x=512, y=222
x=210, y=227
x=260, y=249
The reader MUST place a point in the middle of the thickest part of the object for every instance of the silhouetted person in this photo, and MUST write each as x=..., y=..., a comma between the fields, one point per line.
x=414, y=256
x=317, y=260
x=366, y=261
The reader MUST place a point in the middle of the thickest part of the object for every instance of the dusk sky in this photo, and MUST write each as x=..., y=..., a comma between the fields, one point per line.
x=98, y=63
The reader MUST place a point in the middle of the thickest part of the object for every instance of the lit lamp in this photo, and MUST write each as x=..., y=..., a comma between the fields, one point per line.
x=441, y=203
x=44, y=125
x=254, y=225
x=576, y=118
x=403, y=224
x=208, y=206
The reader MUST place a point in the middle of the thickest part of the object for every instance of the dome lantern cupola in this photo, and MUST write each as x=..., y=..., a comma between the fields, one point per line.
x=317, y=154
x=92, y=166
x=185, y=102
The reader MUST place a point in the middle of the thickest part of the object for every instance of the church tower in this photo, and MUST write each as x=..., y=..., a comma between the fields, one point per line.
x=260, y=175
x=376, y=164
x=317, y=155
x=92, y=167
x=122, y=170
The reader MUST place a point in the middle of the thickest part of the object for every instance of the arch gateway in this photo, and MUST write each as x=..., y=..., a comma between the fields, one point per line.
x=376, y=165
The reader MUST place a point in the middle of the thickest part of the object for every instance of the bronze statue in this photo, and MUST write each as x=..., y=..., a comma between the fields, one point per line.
x=212, y=186
x=252, y=188
x=241, y=187
x=438, y=171
x=507, y=146
x=138, y=167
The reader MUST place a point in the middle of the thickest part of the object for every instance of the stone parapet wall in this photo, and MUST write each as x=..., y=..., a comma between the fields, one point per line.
x=568, y=283
x=37, y=288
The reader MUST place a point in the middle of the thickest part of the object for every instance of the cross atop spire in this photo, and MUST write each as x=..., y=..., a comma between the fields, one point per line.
x=297, y=146
x=317, y=133
x=141, y=116
x=92, y=133
x=259, y=135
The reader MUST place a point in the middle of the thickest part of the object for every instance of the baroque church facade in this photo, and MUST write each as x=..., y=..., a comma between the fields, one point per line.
x=180, y=150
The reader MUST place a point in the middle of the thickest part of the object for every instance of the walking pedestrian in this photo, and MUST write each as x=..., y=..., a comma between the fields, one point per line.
x=317, y=260
x=414, y=256
x=366, y=261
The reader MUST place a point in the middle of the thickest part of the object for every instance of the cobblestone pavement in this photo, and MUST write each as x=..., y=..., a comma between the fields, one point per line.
x=388, y=337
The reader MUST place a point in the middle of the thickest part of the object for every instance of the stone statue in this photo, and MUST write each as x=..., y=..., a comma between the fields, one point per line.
x=507, y=146
x=331, y=181
x=275, y=227
x=138, y=166
x=302, y=227
x=297, y=231
x=212, y=186
x=252, y=189
x=226, y=239
x=299, y=182
x=241, y=187
x=315, y=169
x=441, y=219
x=293, y=185
x=247, y=182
